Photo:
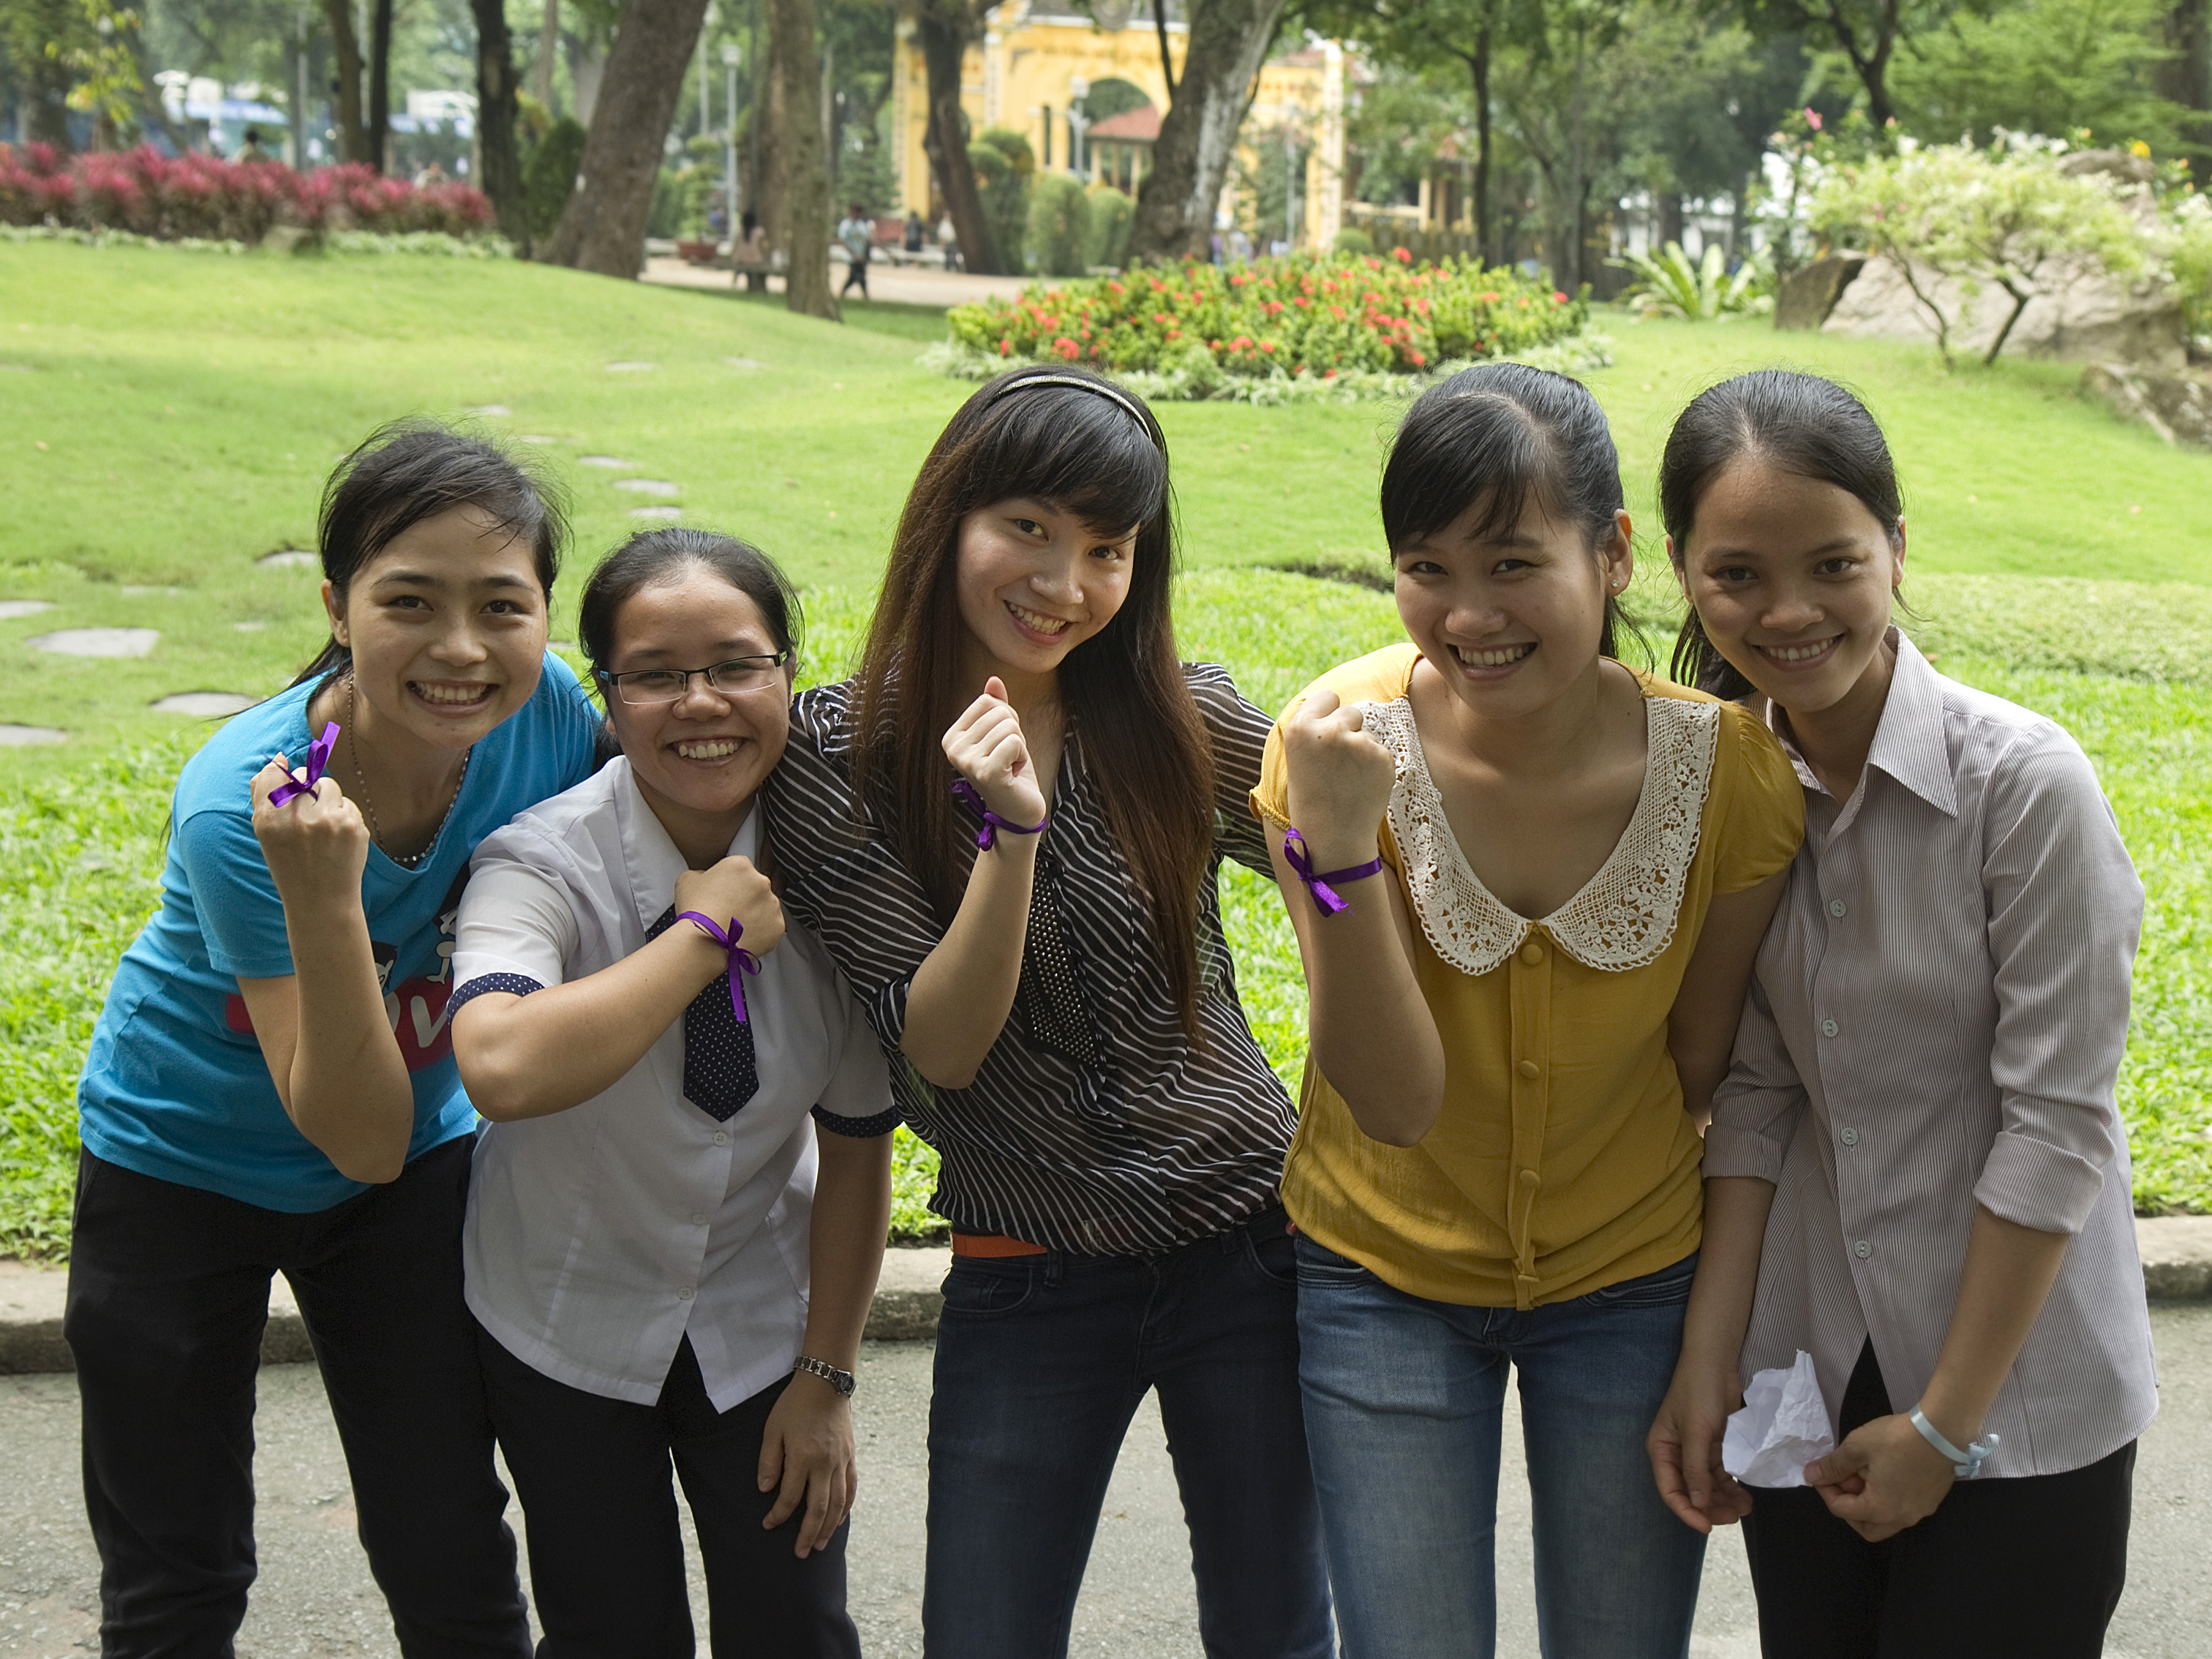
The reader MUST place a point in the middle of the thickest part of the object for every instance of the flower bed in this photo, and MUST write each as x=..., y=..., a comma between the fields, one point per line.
x=1307, y=316
x=197, y=197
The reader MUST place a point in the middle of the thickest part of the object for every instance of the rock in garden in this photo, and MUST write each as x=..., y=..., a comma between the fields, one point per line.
x=1806, y=297
x=96, y=641
x=2174, y=402
x=206, y=704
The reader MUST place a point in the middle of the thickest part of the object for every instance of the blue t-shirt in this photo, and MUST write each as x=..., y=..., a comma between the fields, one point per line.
x=175, y=1086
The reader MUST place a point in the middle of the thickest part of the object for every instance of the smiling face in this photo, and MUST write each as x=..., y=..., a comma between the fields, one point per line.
x=1509, y=620
x=1792, y=579
x=446, y=625
x=1034, y=582
x=699, y=759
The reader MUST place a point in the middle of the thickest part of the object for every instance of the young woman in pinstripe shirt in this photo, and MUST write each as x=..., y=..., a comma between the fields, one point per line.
x=1916, y=1171
x=1005, y=829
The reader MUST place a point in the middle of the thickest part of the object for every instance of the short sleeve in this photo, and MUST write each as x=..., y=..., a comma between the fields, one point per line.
x=1271, y=796
x=515, y=920
x=240, y=915
x=1764, y=821
x=1240, y=733
x=857, y=1101
x=1757, y=1105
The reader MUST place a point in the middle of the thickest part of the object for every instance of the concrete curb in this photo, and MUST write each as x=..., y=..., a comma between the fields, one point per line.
x=2177, y=1260
x=31, y=1299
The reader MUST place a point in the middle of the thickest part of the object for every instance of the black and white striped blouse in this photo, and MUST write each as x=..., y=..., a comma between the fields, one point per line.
x=1094, y=1125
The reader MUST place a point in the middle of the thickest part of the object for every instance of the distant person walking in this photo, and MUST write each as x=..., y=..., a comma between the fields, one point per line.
x=252, y=151
x=916, y=232
x=853, y=231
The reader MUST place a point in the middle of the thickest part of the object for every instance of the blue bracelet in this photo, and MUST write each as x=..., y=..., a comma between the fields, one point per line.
x=1965, y=1464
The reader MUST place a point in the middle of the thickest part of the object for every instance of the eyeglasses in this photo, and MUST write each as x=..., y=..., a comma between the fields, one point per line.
x=645, y=687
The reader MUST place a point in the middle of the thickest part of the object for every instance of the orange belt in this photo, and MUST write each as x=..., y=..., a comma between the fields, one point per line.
x=993, y=1244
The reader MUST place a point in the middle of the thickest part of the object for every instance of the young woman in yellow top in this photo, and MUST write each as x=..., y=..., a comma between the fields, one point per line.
x=1515, y=1036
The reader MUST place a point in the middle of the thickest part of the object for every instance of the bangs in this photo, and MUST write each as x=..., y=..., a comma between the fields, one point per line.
x=1469, y=447
x=1081, y=453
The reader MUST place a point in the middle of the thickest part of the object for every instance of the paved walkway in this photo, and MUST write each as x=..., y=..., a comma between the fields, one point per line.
x=315, y=1599
x=915, y=285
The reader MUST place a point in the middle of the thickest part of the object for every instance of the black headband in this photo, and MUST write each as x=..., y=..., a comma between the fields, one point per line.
x=1083, y=384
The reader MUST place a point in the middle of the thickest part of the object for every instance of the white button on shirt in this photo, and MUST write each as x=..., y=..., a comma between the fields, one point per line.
x=1981, y=985
x=598, y=1236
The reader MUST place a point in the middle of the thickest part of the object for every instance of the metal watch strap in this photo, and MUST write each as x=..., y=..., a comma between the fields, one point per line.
x=841, y=1381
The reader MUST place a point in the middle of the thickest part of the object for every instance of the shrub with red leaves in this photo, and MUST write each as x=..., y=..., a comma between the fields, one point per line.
x=150, y=194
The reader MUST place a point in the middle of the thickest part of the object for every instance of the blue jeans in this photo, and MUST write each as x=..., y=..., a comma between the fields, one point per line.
x=1405, y=1401
x=1041, y=1361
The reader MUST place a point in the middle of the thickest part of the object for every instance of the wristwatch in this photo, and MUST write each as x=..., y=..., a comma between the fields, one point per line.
x=841, y=1381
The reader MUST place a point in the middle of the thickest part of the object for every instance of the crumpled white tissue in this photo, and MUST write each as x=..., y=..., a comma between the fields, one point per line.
x=1783, y=1426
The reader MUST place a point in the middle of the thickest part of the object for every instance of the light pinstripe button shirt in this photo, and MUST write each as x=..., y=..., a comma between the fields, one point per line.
x=1936, y=1021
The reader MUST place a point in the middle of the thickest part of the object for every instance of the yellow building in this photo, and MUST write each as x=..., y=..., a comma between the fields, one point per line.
x=1037, y=64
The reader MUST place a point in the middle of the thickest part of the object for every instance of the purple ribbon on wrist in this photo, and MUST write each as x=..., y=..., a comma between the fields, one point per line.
x=987, y=837
x=318, y=756
x=1324, y=898
x=742, y=962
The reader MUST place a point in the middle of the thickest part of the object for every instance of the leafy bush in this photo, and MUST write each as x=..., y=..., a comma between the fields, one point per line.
x=2011, y=218
x=1059, y=225
x=1004, y=165
x=1112, y=213
x=1304, y=314
x=1670, y=286
x=1352, y=240
x=191, y=195
x=550, y=179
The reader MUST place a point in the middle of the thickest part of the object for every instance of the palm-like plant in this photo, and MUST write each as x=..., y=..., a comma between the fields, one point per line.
x=1672, y=286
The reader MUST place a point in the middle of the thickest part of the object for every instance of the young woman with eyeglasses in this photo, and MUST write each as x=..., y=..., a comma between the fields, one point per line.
x=667, y=1263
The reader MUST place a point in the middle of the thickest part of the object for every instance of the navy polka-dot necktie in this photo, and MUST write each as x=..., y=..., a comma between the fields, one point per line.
x=719, y=1074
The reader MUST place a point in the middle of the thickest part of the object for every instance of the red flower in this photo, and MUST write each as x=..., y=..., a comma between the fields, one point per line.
x=1268, y=346
x=1160, y=317
x=1067, y=348
x=1401, y=256
x=1558, y=298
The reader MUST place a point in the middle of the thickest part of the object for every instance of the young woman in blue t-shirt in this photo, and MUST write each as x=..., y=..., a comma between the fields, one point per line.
x=271, y=1087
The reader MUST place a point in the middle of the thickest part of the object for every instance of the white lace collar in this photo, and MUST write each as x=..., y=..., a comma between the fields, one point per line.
x=1624, y=916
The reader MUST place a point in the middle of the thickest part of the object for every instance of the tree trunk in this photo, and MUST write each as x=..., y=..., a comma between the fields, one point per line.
x=1873, y=68
x=805, y=169
x=944, y=28
x=352, y=138
x=1228, y=42
x=1666, y=219
x=770, y=196
x=2186, y=78
x=500, y=170
x=602, y=228
x=379, y=116
x=549, y=43
x=1480, y=68
x=1577, y=177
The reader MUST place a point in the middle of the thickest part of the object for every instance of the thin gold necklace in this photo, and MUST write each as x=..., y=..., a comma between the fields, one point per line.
x=353, y=752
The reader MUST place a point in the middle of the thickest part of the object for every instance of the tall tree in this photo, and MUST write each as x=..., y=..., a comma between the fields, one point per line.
x=2185, y=80
x=345, y=48
x=805, y=166
x=379, y=122
x=1227, y=41
x=497, y=106
x=42, y=77
x=602, y=228
x=944, y=29
x=1869, y=33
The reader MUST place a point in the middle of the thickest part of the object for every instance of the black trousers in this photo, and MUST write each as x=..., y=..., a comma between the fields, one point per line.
x=2026, y=1568
x=606, y=1556
x=169, y=1291
x=857, y=272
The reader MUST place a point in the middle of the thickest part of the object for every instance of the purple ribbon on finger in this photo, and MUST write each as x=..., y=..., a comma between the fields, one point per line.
x=318, y=756
x=1325, y=898
x=742, y=961
x=987, y=837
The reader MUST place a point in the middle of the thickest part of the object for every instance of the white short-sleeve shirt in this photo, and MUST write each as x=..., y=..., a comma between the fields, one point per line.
x=598, y=1236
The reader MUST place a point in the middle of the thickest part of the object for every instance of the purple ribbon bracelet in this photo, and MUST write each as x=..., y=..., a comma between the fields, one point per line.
x=742, y=962
x=1324, y=898
x=318, y=756
x=987, y=837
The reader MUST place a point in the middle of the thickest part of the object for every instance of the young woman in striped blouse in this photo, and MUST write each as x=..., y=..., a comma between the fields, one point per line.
x=1005, y=829
x=1916, y=1171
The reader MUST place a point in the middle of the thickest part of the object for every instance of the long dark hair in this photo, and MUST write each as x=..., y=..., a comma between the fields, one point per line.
x=412, y=470
x=1506, y=434
x=1797, y=423
x=1079, y=442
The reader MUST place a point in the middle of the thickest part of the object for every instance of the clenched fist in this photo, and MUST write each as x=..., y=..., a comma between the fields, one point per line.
x=316, y=843
x=733, y=888
x=1340, y=779
x=985, y=747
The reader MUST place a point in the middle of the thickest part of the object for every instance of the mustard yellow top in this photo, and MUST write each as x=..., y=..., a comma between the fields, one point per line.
x=1562, y=1161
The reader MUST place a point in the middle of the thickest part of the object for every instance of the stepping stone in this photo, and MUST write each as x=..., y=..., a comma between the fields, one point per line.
x=285, y=557
x=16, y=736
x=96, y=641
x=536, y=438
x=11, y=608
x=248, y=627
x=610, y=461
x=490, y=409
x=744, y=363
x=649, y=486
x=629, y=369
x=656, y=513
x=217, y=703
x=142, y=587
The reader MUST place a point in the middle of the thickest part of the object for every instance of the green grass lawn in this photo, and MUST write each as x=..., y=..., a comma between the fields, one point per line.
x=170, y=416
